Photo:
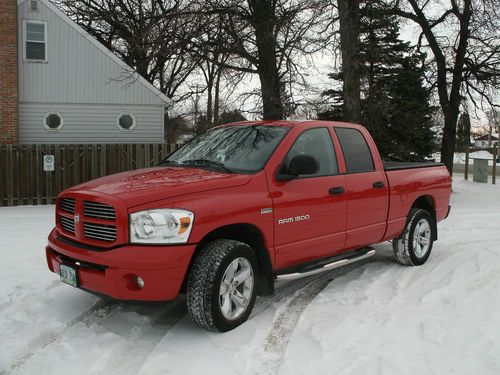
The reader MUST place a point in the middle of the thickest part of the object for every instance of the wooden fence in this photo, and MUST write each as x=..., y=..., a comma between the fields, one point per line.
x=23, y=179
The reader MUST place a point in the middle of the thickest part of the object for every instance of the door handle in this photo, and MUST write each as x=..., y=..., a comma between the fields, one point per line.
x=378, y=184
x=337, y=190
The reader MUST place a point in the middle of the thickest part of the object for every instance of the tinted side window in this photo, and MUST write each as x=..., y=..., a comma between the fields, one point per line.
x=357, y=155
x=318, y=143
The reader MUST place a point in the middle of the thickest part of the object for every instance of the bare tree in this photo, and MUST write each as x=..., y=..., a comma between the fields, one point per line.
x=211, y=64
x=264, y=37
x=464, y=40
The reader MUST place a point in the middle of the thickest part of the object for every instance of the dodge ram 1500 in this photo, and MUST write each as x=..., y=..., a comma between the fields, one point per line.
x=239, y=207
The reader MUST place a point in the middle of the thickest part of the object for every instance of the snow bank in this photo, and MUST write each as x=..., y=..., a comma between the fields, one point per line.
x=439, y=318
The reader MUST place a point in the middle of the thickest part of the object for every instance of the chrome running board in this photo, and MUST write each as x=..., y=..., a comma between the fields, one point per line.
x=327, y=267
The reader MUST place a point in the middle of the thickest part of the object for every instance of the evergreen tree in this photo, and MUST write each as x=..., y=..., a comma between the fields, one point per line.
x=394, y=101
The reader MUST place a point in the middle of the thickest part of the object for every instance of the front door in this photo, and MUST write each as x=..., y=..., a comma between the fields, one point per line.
x=309, y=211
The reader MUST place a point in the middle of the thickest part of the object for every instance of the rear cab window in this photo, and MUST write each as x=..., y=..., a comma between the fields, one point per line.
x=357, y=155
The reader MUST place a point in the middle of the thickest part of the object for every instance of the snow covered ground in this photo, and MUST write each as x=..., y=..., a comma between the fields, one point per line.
x=374, y=318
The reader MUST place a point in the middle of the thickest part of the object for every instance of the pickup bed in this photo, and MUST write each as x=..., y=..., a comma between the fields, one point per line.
x=239, y=207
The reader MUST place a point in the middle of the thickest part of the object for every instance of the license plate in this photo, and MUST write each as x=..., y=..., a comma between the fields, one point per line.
x=68, y=275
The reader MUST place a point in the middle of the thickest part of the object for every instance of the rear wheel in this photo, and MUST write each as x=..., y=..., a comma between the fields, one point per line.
x=221, y=285
x=414, y=245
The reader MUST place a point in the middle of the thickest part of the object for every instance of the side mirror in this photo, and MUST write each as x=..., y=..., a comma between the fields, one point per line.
x=299, y=165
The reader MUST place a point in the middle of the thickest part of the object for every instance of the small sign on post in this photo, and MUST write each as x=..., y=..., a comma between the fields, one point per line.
x=49, y=163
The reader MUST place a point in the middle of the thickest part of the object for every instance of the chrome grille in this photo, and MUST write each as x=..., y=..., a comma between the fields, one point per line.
x=67, y=224
x=100, y=232
x=99, y=210
x=68, y=205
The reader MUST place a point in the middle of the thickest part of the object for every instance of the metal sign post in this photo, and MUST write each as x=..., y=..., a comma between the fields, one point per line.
x=49, y=165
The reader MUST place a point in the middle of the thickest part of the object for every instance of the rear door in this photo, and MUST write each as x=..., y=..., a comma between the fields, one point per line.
x=366, y=188
x=309, y=211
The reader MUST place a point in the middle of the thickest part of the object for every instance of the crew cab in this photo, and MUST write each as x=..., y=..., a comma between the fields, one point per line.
x=239, y=207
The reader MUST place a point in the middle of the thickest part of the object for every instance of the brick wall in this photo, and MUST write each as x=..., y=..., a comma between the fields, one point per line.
x=9, y=114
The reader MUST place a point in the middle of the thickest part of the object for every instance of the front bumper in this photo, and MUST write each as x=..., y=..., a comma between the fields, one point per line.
x=113, y=272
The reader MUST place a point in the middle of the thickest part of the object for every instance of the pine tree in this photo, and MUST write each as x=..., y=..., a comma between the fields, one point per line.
x=394, y=101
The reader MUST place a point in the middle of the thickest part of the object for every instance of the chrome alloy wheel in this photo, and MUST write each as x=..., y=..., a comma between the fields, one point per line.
x=236, y=288
x=421, y=238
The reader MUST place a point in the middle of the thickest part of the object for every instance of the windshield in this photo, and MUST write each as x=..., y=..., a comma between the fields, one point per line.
x=237, y=149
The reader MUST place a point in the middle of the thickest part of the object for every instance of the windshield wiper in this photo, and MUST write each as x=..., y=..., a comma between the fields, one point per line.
x=210, y=163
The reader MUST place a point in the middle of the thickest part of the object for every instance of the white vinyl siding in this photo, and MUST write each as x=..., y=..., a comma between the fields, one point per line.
x=90, y=123
x=77, y=71
x=83, y=82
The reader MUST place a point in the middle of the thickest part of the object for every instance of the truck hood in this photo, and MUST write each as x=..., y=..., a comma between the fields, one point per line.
x=143, y=186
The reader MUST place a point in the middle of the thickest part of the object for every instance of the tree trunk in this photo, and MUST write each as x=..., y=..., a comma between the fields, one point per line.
x=210, y=86
x=452, y=109
x=449, y=138
x=263, y=14
x=349, y=46
x=216, y=97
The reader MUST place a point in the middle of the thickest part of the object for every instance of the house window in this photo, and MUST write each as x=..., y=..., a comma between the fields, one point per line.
x=126, y=121
x=53, y=121
x=35, y=41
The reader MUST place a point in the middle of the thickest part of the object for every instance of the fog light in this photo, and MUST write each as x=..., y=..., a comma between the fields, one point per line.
x=140, y=282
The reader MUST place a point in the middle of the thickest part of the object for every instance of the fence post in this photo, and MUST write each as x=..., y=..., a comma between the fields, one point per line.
x=494, y=172
x=38, y=171
x=10, y=182
x=2, y=179
x=57, y=172
x=103, y=160
x=466, y=171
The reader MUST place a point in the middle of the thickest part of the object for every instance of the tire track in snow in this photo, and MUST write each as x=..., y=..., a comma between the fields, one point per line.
x=98, y=311
x=130, y=355
x=285, y=322
x=139, y=339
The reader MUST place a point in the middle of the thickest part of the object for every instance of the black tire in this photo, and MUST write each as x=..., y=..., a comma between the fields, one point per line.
x=405, y=251
x=204, y=284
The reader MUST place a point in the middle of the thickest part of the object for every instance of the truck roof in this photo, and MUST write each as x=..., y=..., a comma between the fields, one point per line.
x=293, y=123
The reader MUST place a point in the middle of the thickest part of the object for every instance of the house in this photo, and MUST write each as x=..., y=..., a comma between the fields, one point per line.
x=60, y=85
x=484, y=141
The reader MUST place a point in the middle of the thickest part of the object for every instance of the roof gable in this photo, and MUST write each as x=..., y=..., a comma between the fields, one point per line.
x=131, y=74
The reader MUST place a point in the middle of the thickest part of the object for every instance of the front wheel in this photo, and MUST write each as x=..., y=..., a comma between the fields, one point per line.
x=221, y=285
x=414, y=245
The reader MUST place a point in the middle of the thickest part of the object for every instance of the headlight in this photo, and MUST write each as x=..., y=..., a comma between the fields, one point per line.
x=161, y=226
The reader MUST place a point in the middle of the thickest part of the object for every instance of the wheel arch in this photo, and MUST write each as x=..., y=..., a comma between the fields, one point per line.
x=428, y=203
x=253, y=237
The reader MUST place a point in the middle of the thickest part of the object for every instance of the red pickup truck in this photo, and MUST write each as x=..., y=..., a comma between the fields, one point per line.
x=239, y=207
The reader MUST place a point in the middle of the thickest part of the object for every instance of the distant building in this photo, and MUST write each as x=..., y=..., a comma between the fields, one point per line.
x=60, y=85
x=484, y=141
